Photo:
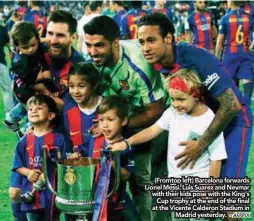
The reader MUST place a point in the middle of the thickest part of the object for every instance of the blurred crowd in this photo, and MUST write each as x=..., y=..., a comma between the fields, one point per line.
x=180, y=9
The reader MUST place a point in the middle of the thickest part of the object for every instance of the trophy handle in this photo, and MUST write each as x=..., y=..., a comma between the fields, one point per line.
x=116, y=158
x=44, y=163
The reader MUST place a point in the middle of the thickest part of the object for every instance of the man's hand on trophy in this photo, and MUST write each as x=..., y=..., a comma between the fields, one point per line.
x=34, y=175
x=75, y=156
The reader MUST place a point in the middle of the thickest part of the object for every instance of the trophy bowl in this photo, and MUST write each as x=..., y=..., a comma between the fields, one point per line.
x=77, y=182
x=75, y=185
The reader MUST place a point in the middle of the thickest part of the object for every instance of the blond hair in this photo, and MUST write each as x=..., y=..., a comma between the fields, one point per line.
x=190, y=78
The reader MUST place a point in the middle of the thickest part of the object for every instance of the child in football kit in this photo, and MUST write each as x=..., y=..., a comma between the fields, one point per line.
x=113, y=115
x=27, y=162
x=186, y=119
x=30, y=72
x=79, y=114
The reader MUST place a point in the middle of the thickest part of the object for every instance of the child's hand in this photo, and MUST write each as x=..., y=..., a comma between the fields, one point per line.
x=29, y=130
x=34, y=175
x=41, y=177
x=118, y=146
x=75, y=156
x=95, y=129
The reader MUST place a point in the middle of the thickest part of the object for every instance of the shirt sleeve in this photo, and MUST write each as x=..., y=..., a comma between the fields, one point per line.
x=124, y=30
x=212, y=73
x=19, y=156
x=217, y=150
x=223, y=26
x=164, y=121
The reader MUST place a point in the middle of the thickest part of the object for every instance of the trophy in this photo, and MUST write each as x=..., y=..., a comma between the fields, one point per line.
x=77, y=183
x=28, y=196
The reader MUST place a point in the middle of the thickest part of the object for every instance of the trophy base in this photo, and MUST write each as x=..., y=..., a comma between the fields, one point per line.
x=75, y=207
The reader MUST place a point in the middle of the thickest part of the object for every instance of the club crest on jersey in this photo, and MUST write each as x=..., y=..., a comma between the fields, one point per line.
x=124, y=85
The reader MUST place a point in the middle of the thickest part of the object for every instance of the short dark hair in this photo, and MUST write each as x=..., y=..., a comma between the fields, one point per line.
x=103, y=25
x=118, y=3
x=36, y=3
x=95, y=4
x=137, y=4
x=238, y=3
x=51, y=104
x=159, y=19
x=86, y=70
x=114, y=102
x=22, y=32
x=60, y=16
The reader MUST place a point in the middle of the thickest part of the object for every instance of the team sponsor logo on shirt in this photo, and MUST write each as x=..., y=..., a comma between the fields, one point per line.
x=204, y=27
x=124, y=85
x=36, y=161
x=211, y=80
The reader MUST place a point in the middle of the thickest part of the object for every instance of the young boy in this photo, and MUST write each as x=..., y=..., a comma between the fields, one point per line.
x=27, y=163
x=30, y=71
x=113, y=115
x=186, y=119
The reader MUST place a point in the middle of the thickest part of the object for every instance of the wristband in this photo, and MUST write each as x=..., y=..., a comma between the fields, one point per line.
x=127, y=143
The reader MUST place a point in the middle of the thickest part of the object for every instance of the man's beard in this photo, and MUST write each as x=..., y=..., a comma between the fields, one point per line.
x=63, y=55
x=200, y=9
x=107, y=62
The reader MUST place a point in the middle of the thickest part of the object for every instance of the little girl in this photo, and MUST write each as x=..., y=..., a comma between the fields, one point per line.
x=43, y=115
x=80, y=105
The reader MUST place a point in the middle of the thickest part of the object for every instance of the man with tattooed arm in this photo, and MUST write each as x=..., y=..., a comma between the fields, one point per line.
x=232, y=114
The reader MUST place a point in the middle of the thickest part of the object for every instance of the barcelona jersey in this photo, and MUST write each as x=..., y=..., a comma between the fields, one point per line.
x=118, y=16
x=28, y=155
x=200, y=24
x=60, y=69
x=236, y=27
x=129, y=23
x=39, y=21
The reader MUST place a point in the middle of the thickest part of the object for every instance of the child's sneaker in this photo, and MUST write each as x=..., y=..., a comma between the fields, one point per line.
x=11, y=126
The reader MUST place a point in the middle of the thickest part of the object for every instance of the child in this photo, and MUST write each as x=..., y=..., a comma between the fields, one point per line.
x=81, y=103
x=186, y=119
x=113, y=115
x=43, y=115
x=30, y=69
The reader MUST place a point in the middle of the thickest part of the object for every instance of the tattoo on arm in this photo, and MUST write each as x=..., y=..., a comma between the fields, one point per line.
x=229, y=106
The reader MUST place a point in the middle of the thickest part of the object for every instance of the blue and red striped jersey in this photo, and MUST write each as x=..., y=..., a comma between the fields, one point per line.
x=118, y=16
x=38, y=19
x=60, y=69
x=201, y=24
x=28, y=155
x=76, y=123
x=129, y=23
x=120, y=199
x=249, y=9
x=236, y=27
